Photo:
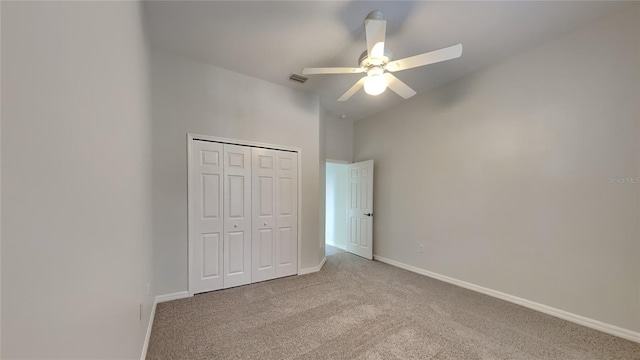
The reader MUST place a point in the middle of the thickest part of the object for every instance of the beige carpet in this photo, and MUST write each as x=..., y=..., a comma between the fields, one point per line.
x=360, y=309
x=332, y=250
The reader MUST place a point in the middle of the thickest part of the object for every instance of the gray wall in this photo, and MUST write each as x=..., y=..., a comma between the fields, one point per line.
x=76, y=175
x=192, y=97
x=504, y=176
x=0, y=179
x=338, y=139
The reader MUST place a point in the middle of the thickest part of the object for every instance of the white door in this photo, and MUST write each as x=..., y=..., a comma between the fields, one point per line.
x=263, y=182
x=361, y=209
x=237, y=215
x=286, y=213
x=205, y=214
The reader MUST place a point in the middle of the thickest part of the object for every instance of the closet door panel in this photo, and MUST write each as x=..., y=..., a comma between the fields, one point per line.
x=286, y=213
x=237, y=215
x=264, y=209
x=205, y=213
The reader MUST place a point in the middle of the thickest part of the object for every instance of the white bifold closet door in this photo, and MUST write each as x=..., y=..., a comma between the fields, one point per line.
x=286, y=213
x=237, y=215
x=243, y=215
x=275, y=209
x=206, y=217
x=264, y=214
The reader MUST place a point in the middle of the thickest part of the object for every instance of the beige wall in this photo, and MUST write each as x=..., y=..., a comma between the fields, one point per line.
x=76, y=180
x=504, y=176
x=192, y=97
x=338, y=139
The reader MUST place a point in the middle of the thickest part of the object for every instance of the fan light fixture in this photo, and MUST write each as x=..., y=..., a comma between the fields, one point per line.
x=375, y=83
x=376, y=62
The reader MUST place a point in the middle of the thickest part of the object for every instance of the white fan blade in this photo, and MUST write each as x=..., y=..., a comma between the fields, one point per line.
x=375, y=33
x=332, y=70
x=432, y=57
x=354, y=89
x=398, y=86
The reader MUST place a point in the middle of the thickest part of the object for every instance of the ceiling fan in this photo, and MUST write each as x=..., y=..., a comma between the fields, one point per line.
x=376, y=62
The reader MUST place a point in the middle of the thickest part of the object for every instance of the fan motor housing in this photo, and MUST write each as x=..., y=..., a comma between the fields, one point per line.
x=366, y=63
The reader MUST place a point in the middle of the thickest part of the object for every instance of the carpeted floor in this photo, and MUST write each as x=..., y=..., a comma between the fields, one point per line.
x=332, y=250
x=360, y=309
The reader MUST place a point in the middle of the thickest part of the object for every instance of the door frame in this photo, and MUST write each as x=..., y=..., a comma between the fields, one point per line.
x=190, y=138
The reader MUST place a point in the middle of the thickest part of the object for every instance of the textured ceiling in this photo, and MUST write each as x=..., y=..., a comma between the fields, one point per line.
x=271, y=39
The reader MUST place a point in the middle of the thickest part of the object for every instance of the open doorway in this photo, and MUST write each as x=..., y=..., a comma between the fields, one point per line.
x=336, y=229
x=349, y=208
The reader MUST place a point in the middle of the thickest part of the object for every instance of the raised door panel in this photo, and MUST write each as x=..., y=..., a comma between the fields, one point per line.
x=266, y=194
x=211, y=255
x=286, y=246
x=354, y=193
x=205, y=220
x=287, y=213
x=211, y=201
x=237, y=215
x=265, y=253
x=236, y=187
x=353, y=230
x=263, y=214
x=235, y=246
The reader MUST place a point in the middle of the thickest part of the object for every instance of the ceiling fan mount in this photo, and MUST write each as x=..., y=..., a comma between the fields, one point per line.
x=375, y=15
x=376, y=62
x=366, y=62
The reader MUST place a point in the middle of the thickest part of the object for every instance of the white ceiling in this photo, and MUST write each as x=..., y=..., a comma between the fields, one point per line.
x=271, y=39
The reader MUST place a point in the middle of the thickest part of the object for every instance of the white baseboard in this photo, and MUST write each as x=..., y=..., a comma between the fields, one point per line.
x=147, y=337
x=574, y=318
x=158, y=299
x=310, y=270
x=172, y=296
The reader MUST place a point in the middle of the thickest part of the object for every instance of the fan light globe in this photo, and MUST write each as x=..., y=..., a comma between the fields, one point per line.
x=375, y=85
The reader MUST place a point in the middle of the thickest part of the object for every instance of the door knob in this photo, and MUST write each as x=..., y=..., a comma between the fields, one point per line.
x=235, y=226
x=369, y=214
x=265, y=224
